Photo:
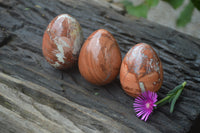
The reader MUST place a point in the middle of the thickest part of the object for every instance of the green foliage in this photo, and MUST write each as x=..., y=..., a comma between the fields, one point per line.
x=138, y=11
x=152, y=3
x=196, y=3
x=185, y=16
x=175, y=99
x=142, y=9
x=172, y=96
x=171, y=92
x=126, y=3
x=175, y=3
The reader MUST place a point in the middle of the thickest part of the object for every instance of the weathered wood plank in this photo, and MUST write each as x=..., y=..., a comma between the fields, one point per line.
x=21, y=57
x=44, y=111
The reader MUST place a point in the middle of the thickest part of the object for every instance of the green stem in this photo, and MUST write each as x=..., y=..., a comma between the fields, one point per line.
x=162, y=100
x=165, y=99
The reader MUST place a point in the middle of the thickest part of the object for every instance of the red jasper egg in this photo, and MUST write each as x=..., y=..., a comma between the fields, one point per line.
x=62, y=41
x=141, y=70
x=100, y=58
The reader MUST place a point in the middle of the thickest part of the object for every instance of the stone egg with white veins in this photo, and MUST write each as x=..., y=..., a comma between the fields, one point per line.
x=141, y=70
x=62, y=41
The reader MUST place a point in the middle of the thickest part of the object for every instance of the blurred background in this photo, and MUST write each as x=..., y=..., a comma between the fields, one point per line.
x=182, y=15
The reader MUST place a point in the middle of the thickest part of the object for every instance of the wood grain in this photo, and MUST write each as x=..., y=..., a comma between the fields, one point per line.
x=86, y=107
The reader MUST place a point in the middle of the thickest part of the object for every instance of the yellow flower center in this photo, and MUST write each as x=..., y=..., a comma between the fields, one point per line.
x=147, y=105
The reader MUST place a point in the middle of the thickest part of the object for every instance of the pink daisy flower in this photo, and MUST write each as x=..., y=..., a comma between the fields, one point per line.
x=144, y=104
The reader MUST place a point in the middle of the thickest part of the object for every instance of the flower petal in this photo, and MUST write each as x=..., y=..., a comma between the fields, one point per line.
x=143, y=104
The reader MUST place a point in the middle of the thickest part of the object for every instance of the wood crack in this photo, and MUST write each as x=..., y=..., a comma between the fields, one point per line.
x=5, y=38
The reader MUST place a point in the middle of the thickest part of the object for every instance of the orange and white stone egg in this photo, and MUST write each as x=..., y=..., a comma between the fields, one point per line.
x=62, y=41
x=141, y=70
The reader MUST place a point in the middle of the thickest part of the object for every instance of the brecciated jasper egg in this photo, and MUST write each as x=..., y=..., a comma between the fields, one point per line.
x=100, y=58
x=141, y=70
x=62, y=41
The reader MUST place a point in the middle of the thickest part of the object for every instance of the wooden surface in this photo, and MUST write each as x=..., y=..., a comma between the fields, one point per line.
x=34, y=97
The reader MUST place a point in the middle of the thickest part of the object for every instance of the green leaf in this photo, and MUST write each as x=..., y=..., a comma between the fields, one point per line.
x=152, y=3
x=175, y=3
x=175, y=99
x=184, y=84
x=26, y=8
x=185, y=16
x=126, y=3
x=196, y=3
x=138, y=11
x=172, y=92
x=171, y=98
x=96, y=93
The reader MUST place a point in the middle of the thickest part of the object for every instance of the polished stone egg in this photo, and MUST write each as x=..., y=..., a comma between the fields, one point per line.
x=141, y=70
x=62, y=41
x=100, y=58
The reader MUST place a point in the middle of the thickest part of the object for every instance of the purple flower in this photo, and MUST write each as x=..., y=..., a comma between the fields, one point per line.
x=144, y=104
